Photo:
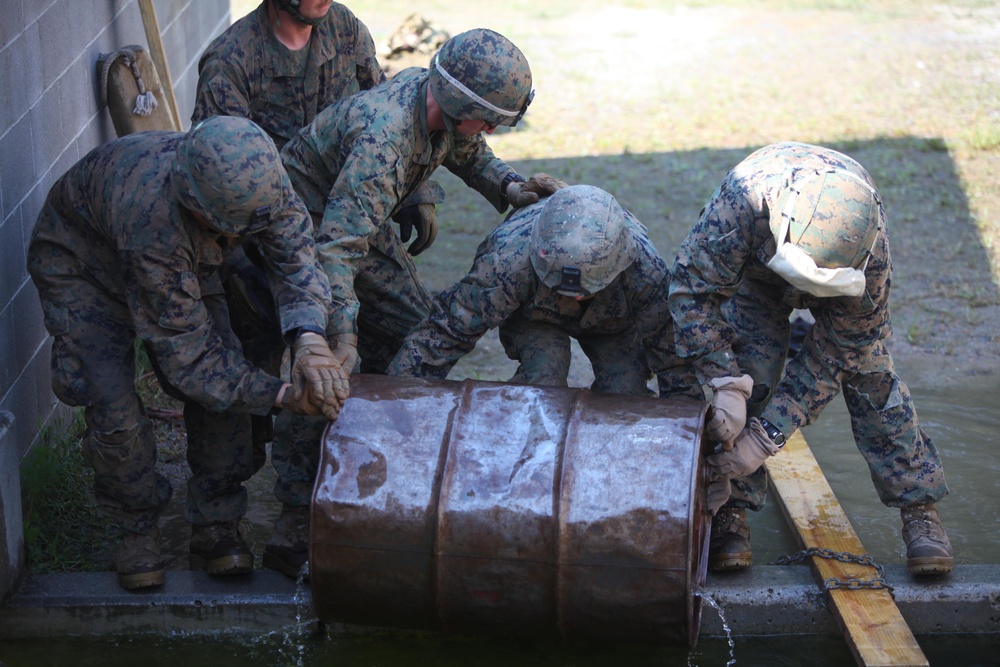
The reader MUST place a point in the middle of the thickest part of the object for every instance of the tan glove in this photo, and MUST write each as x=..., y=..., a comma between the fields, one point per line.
x=729, y=408
x=286, y=400
x=345, y=349
x=423, y=217
x=751, y=449
x=718, y=493
x=318, y=370
x=540, y=185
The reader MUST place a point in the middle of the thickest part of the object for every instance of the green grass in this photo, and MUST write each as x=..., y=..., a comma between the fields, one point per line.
x=64, y=530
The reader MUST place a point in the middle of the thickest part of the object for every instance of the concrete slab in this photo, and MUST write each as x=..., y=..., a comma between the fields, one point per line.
x=765, y=600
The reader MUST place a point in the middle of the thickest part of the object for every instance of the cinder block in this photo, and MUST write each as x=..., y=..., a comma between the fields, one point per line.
x=17, y=168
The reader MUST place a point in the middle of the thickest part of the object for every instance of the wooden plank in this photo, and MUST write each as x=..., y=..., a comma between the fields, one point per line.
x=152, y=27
x=875, y=631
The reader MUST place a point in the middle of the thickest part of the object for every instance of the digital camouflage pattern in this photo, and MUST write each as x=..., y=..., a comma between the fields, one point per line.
x=624, y=329
x=584, y=227
x=247, y=72
x=491, y=67
x=834, y=217
x=731, y=316
x=354, y=165
x=115, y=257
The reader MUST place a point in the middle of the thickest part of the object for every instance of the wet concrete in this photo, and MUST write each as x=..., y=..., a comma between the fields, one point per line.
x=763, y=601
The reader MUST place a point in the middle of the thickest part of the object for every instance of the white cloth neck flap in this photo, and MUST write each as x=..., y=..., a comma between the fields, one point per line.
x=799, y=269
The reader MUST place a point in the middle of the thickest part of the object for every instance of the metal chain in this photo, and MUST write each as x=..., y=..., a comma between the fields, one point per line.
x=832, y=583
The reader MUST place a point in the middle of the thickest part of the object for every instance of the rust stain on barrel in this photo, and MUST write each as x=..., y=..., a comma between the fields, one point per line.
x=511, y=509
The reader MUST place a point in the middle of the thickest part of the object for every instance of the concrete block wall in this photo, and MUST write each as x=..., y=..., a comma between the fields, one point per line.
x=50, y=117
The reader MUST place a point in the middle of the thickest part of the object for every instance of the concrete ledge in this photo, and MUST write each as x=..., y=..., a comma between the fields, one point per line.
x=778, y=600
x=765, y=600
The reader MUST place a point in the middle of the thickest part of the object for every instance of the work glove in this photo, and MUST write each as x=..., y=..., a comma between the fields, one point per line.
x=298, y=402
x=346, y=352
x=320, y=371
x=540, y=185
x=751, y=448
x=718, y=493
x=423, y=217
x=729, y=408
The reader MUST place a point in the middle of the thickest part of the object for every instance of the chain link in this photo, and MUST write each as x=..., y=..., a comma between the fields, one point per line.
x=832, y=583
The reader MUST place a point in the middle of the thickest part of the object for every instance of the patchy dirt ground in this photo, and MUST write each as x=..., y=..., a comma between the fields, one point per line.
x=655, y=101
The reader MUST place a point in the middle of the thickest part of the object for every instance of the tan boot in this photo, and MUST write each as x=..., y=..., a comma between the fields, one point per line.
x=928, y=550
x=220, y=549
x=138, y=561
x=288, y=548
x=729, y=544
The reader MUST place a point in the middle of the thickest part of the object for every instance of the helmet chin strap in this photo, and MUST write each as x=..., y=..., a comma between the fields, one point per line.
x=293, y=9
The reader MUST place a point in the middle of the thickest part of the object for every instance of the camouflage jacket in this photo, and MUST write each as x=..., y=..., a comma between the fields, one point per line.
x=727, y=251
x=116, y=213
x=360, y=158
x=247, y=72
x=502, y=282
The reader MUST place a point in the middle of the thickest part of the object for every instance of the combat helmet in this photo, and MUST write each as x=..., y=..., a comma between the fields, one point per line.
x=580, y=241
x=292, y=7
x=480, y=75
x=834, y=216
x=229, y=170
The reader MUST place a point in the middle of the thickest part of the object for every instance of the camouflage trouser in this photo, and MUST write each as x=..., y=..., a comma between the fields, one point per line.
x=393, y=300
x=295, y=456
x=255, y=321
x=93, y=365
x=902, y=460
x=543, y=353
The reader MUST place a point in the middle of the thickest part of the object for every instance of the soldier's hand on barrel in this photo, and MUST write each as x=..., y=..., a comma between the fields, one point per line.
x=318, y=370
x=718, y=493
x=752, y=447
x=297, y=402
x=345, y=350
x=729, y=408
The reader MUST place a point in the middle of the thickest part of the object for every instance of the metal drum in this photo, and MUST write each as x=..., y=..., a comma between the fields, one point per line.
x=482, y=507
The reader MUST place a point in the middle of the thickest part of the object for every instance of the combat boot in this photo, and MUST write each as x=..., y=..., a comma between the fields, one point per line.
x=928, y=550
x=729, y=544
x=287, y=550
x=138, y=561
x=220, y=549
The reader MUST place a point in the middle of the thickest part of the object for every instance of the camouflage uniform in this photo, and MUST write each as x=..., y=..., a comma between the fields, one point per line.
x=731, y=316
x=353, y=166
x=624, y=329
x=115, y=257
x=247, y=72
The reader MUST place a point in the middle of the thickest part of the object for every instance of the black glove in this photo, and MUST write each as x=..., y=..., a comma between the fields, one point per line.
x=423, y=217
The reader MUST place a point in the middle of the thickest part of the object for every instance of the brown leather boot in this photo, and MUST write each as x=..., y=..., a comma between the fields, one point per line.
x=287, y=550
x=928, y=550
x=729, y=544
x=138, y=561
x=220, y=549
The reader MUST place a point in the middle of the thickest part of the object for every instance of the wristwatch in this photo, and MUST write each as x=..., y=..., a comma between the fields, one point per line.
x=776, y=436
x=507, y=180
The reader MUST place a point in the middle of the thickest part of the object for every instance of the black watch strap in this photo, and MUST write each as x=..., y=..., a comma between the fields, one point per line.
x=776, y=436
x=507, y=180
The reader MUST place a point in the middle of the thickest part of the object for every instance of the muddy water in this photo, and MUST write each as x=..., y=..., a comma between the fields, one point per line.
x=964, y=424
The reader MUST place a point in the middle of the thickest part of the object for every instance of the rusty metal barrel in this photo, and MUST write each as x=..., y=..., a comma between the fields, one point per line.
x=490, y=508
